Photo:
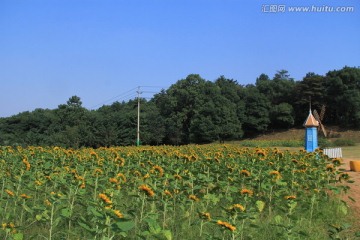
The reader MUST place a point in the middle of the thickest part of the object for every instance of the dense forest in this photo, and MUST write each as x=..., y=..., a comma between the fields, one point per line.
x=194, y=110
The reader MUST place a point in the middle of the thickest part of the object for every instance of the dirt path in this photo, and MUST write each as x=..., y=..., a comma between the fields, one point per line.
x=354, y=193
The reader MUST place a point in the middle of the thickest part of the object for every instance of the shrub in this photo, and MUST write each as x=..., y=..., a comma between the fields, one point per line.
x=324, y=143
x=272, y=143
x=344, y=142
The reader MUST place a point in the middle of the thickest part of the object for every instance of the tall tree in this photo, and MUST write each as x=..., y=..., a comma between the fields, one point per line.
x=257, y=111
x=216, y=117
x=282, y=116
x=180, y=106
x=234, y=92
x=342, y=96
x=310, y=89
x=153, y=124
x=278, y=90
x=71, y=128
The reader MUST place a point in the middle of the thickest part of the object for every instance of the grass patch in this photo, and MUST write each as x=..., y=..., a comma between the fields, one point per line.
x=341, y=142
x=352, y=152
x=271, y=143
x=322, y=142
x=344, y=142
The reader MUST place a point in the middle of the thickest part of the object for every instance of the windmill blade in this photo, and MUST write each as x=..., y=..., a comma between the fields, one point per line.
x=323, y=129
x=316, y=115
x=322, y=112
x=321, y=117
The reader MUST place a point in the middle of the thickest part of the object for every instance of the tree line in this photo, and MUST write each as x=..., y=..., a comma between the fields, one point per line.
x=194, y=110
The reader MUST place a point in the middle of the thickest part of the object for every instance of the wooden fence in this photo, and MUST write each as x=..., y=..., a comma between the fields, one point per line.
x=333, y=152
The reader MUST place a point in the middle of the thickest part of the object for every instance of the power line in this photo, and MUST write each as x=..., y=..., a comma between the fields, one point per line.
x=149, y=92
x=123, y=95
x=132, y=93
x=151, y=87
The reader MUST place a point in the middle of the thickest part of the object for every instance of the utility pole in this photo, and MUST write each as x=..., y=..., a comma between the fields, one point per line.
x=138, y=118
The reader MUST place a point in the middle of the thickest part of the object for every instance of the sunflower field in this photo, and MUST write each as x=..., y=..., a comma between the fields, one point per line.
x=166, y=192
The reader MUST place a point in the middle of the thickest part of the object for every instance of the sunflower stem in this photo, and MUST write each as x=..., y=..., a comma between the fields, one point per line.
x=142, y=208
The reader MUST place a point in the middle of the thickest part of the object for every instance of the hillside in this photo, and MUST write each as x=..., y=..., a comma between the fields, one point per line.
x=334, y=133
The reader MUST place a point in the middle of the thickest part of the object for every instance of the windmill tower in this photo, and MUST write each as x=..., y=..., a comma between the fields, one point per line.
x=311, y=138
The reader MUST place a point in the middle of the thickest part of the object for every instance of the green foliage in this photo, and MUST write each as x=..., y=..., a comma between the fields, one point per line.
x=310, y=88
x=344, y=142
x=282, y=115
x=279, y=90
x=208, y=191
x=271, y=143
x=340, y=142
x=324, y=143
x=257, y=108
x=194, y=110
x=343, y=96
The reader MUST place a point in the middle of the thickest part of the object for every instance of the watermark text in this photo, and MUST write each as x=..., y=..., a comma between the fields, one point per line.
x=280, y=8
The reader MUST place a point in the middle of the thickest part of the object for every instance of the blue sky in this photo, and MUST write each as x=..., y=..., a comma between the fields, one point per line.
x=101, y=50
